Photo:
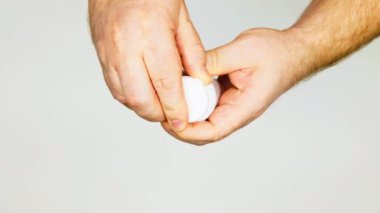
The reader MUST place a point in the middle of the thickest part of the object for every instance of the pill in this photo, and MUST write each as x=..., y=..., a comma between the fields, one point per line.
x=201, y=99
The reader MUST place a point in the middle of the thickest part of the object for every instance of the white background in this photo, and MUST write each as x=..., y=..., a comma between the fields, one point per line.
x=67, y=146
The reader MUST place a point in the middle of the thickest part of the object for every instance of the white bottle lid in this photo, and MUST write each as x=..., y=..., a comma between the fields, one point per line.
x=201, y=99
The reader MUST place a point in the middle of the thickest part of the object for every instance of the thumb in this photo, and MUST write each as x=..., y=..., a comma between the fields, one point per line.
x=226, y=59
x=191, y=49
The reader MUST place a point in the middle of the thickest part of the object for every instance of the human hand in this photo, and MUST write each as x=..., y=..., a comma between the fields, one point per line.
x=255, y=68
x=143, y=46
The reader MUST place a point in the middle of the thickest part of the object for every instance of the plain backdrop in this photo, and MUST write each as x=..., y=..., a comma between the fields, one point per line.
x=67, y=146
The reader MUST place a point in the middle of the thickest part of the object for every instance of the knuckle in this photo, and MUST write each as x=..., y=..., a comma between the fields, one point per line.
x=217, y=136
x=114, y=67
x=212, y=60
x=152, y=115
x=154, y=119
x=133, y=102
x=171, y=111
x=164, y=83
x=115, y=37
x=118, y=97
x=136, y=102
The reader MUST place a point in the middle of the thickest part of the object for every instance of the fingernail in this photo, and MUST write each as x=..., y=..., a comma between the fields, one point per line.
x=205, y=77
x=207, y=81
x=176, y=125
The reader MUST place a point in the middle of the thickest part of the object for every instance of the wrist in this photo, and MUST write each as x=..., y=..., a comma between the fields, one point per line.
x=301, y=55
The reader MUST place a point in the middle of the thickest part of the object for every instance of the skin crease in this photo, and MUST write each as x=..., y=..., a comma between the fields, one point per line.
x=261, y=64
x=143, y=46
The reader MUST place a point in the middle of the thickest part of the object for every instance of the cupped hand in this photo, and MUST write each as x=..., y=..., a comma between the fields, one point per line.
x=143, y=46
x=255, y=69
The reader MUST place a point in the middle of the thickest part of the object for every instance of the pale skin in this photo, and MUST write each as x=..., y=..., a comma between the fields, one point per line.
x=255, y=68
x=143, y=46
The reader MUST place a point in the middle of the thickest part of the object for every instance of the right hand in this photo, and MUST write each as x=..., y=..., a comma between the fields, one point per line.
x=143, y=46
x=255, y=69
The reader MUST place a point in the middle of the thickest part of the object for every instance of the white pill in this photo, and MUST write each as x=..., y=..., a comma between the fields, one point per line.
x=213, y=91
x=201, y=99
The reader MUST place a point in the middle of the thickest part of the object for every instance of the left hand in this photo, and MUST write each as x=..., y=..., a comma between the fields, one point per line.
x=143, y=46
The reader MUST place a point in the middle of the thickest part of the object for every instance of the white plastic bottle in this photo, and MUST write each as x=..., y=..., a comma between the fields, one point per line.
x=201, y=99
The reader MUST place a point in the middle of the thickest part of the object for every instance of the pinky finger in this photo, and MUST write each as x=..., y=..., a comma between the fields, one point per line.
x=113, y=84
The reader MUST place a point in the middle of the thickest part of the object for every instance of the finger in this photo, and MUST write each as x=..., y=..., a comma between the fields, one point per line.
x=110, y=77
x=191, y=49
x=200, y=138
x=164, y=66
x=235, y=110
x=113, y=83
x=137, y=90
x=227, y=58
x=125, y=71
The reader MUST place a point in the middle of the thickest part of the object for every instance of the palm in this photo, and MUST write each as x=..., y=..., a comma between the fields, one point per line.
x=253, y=75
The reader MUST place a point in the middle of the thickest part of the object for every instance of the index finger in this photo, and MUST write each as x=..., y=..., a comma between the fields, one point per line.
x=165, y=69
